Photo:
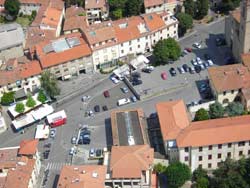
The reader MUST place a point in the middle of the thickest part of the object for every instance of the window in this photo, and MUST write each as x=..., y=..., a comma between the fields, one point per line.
x=200, y=158
x=130, y=42
x=219, y=146
x=224, y=93
x=232, y=91
x=146, y=37
x=210, y=147
x=122, y=51
x=219, y=155
x=138, y=40
x=200, y=165
x=138, y=46
x=174, y=32
x=122, y=44
x=229, y=154
x=218, y=164
x=168, y=35
x=240, y=153
x=186, y=149
x=130, y=49
x=229, y=145
x=209, y=157
x=57, y=72
x=154, y=34
x=186, y=158
x=209, y=165
x=65, y=70
x=241, y=144
x=161, y=38
x=200, y=149
x=248, y=152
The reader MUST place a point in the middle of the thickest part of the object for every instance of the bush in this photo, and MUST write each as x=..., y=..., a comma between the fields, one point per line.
x=41, y=97
x=8, y=98
x=159, y=168
x=234, y=109
x=201, y=115
x=21, y=14
x=30, y=102
x=20, y=107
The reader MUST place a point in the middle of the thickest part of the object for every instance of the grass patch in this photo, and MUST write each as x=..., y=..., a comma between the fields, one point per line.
x=23, y=21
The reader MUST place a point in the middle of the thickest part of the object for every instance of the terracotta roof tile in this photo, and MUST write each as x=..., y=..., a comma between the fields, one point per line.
x=216, y=131
x=154, y=21
x=74, y=11
x=84, y=176
x=246, y=59
x=172, y=117
x=229, y=77
x=8, y=158
x=52, y=17
x=91, y=4
x=130, y=161
x=28, y=147
x=150, y=3
x=75, y=22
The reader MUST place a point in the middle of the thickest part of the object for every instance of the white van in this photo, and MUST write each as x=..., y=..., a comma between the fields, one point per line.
x=123, y=101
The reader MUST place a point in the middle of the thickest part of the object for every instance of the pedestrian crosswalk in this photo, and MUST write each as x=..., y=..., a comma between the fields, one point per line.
x=56, y=166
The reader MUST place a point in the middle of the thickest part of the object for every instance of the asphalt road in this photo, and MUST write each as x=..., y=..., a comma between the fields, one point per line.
x=100, y=123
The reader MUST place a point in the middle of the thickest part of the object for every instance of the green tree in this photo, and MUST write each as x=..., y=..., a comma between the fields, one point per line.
x=228, y=5
x=202, y=183
x=20, y=107
x=117, y=14
x=114, y=4
x=189, y=6
x=185, y=22
x=49, y=84
x=234, y=109
x=177, y=174
x=167, y=49
x=199, y=173
x=159, y=168
x=216, y=110
x=133, y=7
x=12, y=7
x=8, y=98
x=30, y=102
x=201, y=115
x=201, y=7
x=41, y=96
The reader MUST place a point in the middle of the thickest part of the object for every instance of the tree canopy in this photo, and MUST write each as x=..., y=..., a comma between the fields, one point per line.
x=159, y=168
x=8, y=98
x=185, y=22
x=228, y=5
x=201, y=115
x=79, y=3
x=177, y=174
x=30, y=102
x=49, y=84
x=12, y=7
x=20, y=107
x=234, y=109
x=189, y=6
x=201, y=8
x=165, y=50
x=41, y=96
x=216, y=110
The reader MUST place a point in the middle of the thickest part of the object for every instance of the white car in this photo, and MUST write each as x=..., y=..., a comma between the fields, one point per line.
x=210, y=62
x=181, y=70
x=114, y=80
x=198, y=60
x=72, y=151
x=92, y=153
x=194, y=62
x=150, y=68
x=52, y=133
x=123, y=101
x=197, y=45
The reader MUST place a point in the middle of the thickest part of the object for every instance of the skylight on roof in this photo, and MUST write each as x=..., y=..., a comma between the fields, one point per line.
x=150, y=17
x=123, y=25
x=92, y=33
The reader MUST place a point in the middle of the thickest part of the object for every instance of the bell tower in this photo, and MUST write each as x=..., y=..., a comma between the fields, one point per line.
x=244, y=34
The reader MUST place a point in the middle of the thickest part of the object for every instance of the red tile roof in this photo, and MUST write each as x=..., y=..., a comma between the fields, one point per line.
x=229, y=77
x=91, y=4
x=85, y=176
x=55, y=58
x=28, y=147
x=173, y=118
x=154, y=21
x=130, y=161
x=74, y=11
x=150, y=3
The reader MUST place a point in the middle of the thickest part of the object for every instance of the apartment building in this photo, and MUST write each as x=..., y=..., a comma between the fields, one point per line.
x=12, y=41
x=66, y=56
x=97, y=10
x=160, y=5
x=125, y=166
x=204, y=143
x=237, y=30
x=230, y=83
x=20, y=166
x=21, y=76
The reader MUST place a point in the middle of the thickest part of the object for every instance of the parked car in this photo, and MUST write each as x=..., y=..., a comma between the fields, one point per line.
x=181, y=70
x=146, y=70
x=52, y=133
x=133, y=99
x=92, y=153
x=124, y=90
x=73, y=140
x=185, y=67
x=123, y=101
x=106, y=93
x=114, y=80
x=97, y=108
x=85, y=139
x=220, y=41
x=189, y=50
x=197, y=69
x=105, y=108
x=164, y=75
x=136, y=82
x=210, y=62
x=48, y=145
x=206, y=65
x=194, y=62
x=99, y=153
x=85, y=98
x=172, y=71
x=197, y=45
x=202, y=67
x=90, y=113
x=191, y=70
x=198, y=60
x=136, y=75
x=72, y=151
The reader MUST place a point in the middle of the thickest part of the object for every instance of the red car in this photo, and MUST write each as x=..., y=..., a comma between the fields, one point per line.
x=106, y=94
x=164, y=75
x=189, y=49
